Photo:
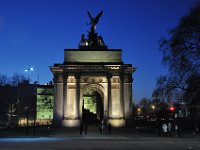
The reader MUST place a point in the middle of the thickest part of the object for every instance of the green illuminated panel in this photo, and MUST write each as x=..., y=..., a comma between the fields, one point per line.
x=45, y=101
x=90, y=104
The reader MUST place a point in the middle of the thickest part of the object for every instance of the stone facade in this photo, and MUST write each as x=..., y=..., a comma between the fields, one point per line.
x=97, y=70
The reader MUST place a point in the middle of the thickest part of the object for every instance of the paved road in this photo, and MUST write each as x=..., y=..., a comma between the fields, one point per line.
x=97, y=144
x=70, y=139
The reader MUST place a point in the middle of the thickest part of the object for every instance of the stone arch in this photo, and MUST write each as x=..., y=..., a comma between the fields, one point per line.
x=94, y=86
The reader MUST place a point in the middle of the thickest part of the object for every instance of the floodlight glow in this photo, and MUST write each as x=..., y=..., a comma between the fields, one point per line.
x=26, y=70
x=31, y=69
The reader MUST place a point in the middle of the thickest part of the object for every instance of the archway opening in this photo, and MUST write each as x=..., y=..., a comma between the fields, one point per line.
x=93, y=106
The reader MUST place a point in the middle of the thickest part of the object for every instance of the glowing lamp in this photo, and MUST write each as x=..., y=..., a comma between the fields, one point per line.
x=139, y=109
x=172, y=108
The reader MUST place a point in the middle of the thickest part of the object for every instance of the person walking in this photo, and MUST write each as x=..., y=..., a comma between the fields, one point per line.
x=109, y=128
x=164, y=129
x=176, y=130
x=195, y=130
x=102, y=126
x=81, y=128
x=86, y=127
x=169, y=128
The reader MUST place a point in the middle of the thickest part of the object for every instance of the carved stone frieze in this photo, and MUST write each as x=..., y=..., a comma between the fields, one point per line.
x=100, y=79
x=115, y=80
x=71, y=86
x=85, y=79
x=93, y=79
x=115, y=86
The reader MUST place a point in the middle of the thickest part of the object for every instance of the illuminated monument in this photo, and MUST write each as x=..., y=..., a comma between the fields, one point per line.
x=93, y=77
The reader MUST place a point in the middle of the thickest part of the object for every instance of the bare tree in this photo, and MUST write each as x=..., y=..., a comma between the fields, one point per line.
x=18, y=78
x=166, y=89
x=4, y=80
x=181, y=52
x=145, y=106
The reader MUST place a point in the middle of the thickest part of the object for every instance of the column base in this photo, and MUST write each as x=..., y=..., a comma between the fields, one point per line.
x=57, y=123
x=71, y=123
x=117, y=122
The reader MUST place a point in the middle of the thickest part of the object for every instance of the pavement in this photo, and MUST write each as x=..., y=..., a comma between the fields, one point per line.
x=116, y=133
x=121, y=138
x=92, y=134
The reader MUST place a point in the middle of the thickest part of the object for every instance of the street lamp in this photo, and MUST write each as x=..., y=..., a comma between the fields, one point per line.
x=153, y=107
x=138, y=110
x=152, y=113
x=28, y=70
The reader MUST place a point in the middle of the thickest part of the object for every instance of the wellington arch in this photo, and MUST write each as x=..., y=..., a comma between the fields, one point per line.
x=93, y=78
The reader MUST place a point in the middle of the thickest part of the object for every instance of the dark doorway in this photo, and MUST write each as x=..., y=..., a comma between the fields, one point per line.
x=93, y=105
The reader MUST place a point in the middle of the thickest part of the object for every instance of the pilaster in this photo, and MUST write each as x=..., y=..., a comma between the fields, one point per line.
x=109, y=109
x=58, y=102
x=65, y=77
x=77, y=101
x=122, y=95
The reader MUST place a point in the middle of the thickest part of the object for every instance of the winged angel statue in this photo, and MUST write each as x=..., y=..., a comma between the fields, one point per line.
x=94, y=21
x=93, y=40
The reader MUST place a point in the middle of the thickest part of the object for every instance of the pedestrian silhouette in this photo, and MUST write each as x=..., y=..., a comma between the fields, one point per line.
x=86, y=127
x=81, y=128
x=164, y=129
x=109, y=128
x=169, y=128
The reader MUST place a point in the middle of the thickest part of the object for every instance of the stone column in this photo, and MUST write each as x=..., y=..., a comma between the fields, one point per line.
x=65, y=76
x=77, y=96
x=128, y=95
x=122, y=95
x=109, y=109
x=58, y=99
x=131, y=95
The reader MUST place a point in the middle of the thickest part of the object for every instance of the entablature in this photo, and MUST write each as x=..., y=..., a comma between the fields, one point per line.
x=112, y=68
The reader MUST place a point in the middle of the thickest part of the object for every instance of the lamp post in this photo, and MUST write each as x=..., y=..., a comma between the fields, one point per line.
x=27, y=122
x=34, y=117
x=153, y=107
x=28, y=70
x=138, y=111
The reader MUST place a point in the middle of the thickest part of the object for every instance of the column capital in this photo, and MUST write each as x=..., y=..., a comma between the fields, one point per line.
x=65, y=74
x=58, y=78
x=109, y=76
x=121, y=76
x=77, y=75
x=65, y=77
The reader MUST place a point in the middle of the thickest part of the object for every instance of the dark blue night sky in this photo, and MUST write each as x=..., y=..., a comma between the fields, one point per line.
x=36, y=32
